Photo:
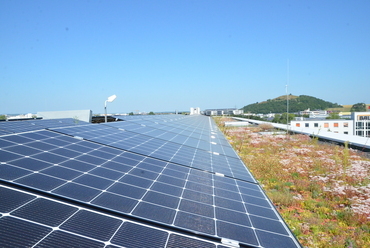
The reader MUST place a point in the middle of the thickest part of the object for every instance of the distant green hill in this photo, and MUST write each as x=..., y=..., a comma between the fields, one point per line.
x=296, y=104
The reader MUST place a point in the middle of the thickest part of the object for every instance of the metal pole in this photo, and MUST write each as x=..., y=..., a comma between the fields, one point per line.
x=287, y=99
x=105, y=108
x=287, y=106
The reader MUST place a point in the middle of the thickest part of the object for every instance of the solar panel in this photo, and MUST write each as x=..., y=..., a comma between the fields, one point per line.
x=194, y=156
x=163, y=131
x=125, y=183
x=30, y=220
x=8, y=127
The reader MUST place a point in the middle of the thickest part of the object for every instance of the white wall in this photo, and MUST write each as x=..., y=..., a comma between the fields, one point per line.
x=82, y=115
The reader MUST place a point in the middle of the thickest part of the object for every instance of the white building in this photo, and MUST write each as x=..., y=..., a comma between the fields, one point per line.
x=195, y=111
x=315, y=113
x=359, y=125
x=328, y=125
x=25, y=116
x=226, y=111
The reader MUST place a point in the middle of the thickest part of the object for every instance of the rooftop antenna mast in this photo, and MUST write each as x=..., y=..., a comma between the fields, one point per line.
x=287, y=99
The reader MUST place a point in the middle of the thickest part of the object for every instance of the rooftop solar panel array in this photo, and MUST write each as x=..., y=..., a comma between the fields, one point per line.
x=8, y=127
x=132, y=184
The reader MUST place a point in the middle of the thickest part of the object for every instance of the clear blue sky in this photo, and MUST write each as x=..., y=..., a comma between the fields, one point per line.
x=169, y=55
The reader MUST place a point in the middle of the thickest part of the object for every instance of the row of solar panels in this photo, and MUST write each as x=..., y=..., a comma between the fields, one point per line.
x=155, y=181
x=10, y=127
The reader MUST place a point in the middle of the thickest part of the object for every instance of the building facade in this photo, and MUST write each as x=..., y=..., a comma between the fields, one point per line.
x=361, y=123
x=358, y=125
x=335, y=126
x=315, y=113
x=226, y=111
x=195, y=111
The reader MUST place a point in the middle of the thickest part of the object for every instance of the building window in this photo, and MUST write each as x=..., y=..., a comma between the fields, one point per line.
x=360, y=133
x=345, y=132
x=367, y=125
x=326, y=125
x=336, y=124
x=316, y=124
x=345, y=124
x=307, y=124
x=298, y=124
x=359, y=125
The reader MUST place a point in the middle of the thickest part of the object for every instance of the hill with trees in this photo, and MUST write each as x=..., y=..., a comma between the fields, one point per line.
x=296, y=104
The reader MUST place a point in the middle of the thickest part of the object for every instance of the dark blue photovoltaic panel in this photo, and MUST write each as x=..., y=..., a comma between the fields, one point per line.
x=93, y=181
x=184, y=154
x=116, y=202
x=40, y=181
x=198, y=208
x=161, y=199
x=179, y=182
x=136, y=181
x=106, y=173
x=8, y=127
x=8, y=156
x=132, y=235
x=235, y=232
x=24, y=150
x=155, y=212
x=198, y=197
x=92, y=225
x=127, y=190
x=195, y=222
x=10, y=199
x=30, y=221
x=232, y=216
x=64, y=239
x=61, y=172
x=167, y=189
x=45, y=211
x=77, y=191
x=10, y=172
x=77, y=165
x=4, y=132
x=165, y=173
x=16, y=139
x=181, y=241
x=269, y=239
x=20, y=233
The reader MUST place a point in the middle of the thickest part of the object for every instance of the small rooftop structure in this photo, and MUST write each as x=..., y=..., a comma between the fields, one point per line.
x=195, y=111
x=82, y=115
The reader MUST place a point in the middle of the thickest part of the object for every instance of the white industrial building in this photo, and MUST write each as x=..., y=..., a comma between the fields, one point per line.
x=327, y=125
x=315, y=113
x=226, y=111
x=195, y=111
x=361, y=124
x=358, y=125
